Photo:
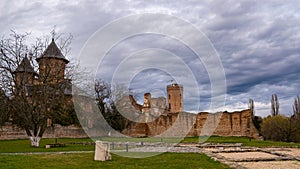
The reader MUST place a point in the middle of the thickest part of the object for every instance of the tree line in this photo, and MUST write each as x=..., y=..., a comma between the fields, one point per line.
x=277, y=126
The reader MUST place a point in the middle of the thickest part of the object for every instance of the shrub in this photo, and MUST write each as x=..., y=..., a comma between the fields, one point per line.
x=278, y=128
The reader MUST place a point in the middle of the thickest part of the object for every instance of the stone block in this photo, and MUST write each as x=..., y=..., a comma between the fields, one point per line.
x=102, y=151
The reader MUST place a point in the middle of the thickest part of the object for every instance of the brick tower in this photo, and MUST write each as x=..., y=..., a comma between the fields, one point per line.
x=175, y=98
x=24, y=74
x=52, y=65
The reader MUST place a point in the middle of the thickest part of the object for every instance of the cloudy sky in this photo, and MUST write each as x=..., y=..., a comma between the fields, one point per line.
x=258, y=43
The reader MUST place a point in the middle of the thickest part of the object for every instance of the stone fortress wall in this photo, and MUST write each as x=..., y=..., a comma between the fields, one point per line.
x=10, y=131
x=157, y=119
x=230, y=124
x=237, y=123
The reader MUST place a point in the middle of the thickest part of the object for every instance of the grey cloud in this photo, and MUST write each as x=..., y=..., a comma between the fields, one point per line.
x=258, y=42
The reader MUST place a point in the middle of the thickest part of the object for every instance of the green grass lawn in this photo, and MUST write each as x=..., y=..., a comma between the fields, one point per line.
x=12, y=146
x=85, y=160
x=61, y=161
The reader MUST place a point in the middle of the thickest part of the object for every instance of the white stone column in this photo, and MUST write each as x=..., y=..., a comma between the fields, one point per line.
x=102, y=151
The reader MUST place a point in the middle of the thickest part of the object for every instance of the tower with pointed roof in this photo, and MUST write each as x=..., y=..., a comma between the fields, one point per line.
x=24, y=74
x=52, y=65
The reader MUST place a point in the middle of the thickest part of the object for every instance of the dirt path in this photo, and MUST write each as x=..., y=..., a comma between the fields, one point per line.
x=257, y=158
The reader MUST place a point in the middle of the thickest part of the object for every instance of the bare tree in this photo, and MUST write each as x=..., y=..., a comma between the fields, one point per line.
x=296, y=107
x=296, y=117
x=107, y=104
x=35, y=97
x=4, y=108
x=251, y=106
x=274, y=105
x=103, y=94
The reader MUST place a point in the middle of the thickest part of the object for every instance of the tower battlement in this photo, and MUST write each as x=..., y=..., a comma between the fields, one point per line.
x=175, y=98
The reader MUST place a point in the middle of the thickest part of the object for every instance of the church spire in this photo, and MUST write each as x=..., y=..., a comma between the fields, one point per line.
x=53, y=51
x=25, y=66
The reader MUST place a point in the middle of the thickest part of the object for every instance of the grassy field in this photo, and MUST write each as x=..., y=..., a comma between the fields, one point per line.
x=61, y=161
x=10, y=146
x=85, y=160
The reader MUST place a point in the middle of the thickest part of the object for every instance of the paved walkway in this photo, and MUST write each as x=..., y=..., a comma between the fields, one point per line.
x=255, y=158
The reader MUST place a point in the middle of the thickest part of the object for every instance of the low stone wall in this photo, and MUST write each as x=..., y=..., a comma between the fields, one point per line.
x=10, y=131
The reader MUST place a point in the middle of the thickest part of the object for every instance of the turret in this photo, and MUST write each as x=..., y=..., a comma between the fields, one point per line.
x=175, y=98
x=52, y=64
x=24, y=74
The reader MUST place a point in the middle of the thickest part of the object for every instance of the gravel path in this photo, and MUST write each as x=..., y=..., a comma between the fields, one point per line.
x=246, y=155
x=257, y=158
x=167, y=149
x=272, y=165
x=288, y=151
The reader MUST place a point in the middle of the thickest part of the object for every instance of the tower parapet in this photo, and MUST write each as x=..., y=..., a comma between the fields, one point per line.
x=175, y=98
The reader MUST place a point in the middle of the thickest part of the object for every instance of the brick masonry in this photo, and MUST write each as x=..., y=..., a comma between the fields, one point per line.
x=10, y=131
x=166, y=125
x=237, y=123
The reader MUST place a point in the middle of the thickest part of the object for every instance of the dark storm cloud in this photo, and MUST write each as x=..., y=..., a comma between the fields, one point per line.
x=258, y=41
x=259, y=47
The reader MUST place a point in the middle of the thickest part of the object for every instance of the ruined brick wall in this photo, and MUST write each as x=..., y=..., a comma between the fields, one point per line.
x=152, y=128
x=221, y=124
x=10, y=131
x=166, y=125
x=237, y=124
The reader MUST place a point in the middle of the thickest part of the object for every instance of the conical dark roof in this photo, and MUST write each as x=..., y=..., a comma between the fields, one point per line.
x=53, y=51
x=25, y=66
